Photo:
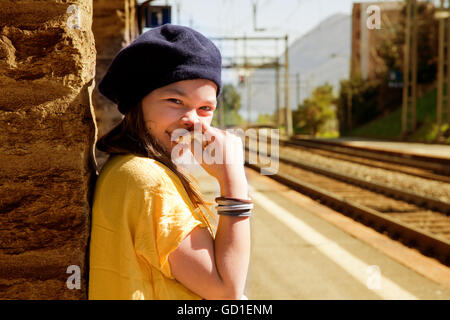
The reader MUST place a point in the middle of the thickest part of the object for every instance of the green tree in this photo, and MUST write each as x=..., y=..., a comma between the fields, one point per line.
x=314, y=113
x=364, y=97
x=265, y=118
x=231, y=106
x=391, y=47
x=374, y=97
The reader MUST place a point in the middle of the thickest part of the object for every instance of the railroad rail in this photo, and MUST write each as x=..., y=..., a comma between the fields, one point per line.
x=431, y=167
x=420, y=222
x=428, y=167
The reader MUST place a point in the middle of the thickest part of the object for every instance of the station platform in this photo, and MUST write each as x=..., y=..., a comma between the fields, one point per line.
x=303, y=250
x=436, y=150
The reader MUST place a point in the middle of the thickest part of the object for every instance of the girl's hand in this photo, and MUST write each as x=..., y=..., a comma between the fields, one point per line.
x=221, y=154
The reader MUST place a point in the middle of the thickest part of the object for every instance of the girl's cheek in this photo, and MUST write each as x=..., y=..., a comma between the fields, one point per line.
x=170, y=114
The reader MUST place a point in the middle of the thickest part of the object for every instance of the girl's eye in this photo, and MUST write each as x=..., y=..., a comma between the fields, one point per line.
x=174, y=100
x=206, y=108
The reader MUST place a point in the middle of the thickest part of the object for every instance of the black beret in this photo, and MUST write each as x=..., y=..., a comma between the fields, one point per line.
x=159, y=57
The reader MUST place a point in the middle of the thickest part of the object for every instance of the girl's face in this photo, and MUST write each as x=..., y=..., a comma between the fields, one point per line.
x=178, y=105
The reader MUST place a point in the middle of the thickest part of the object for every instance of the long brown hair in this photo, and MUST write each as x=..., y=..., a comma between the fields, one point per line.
x=131, y=136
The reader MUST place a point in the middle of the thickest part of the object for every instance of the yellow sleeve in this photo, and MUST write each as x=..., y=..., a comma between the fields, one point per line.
x=166, y=219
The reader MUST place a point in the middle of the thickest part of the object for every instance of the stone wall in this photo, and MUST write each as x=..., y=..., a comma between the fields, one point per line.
x=47, y=67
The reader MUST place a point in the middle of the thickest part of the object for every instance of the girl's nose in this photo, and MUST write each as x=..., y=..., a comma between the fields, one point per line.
x=190, y=118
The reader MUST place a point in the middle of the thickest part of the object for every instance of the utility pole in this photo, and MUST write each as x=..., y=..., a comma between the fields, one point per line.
x=288, y=114
x=446, y=62
x=247, y=63
x=221, y=111
x=249, y=99
x=448, y=65
x=247, y=80
x=255, y=28
x=297, y=79
x=443, y=15
x=245, y=52
x=414, y=65
x=277, y=93
x=349, y=104
x=409, y=69
x=406, y=69
x=440, y=71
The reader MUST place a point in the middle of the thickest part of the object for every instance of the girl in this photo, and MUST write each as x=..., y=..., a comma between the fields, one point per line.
x=152, y=235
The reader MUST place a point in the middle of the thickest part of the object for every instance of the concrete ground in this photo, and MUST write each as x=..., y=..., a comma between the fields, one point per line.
x=303, y=250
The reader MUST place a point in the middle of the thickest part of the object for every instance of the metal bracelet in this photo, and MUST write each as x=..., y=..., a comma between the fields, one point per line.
x=235, y=207
x=241, y=213
x=227, y=200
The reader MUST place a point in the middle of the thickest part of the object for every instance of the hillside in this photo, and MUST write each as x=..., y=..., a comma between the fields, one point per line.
x=321, y=55
x=389, y=126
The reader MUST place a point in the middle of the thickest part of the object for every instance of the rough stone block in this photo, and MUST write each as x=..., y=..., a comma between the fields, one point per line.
x=47, y=68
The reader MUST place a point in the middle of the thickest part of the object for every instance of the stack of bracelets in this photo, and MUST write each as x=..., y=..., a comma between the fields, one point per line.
x=234, y=207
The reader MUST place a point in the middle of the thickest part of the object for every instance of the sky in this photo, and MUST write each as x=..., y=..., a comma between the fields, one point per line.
x=215, y=18
x=235, y=17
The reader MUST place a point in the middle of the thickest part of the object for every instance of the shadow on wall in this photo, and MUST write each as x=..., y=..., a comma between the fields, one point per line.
x=114, y=26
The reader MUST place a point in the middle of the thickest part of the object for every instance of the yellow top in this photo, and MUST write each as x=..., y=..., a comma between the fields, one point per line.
x=141, y=213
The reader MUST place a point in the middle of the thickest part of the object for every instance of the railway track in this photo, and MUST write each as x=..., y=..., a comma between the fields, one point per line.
x=429, y=167
x=415, y=220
